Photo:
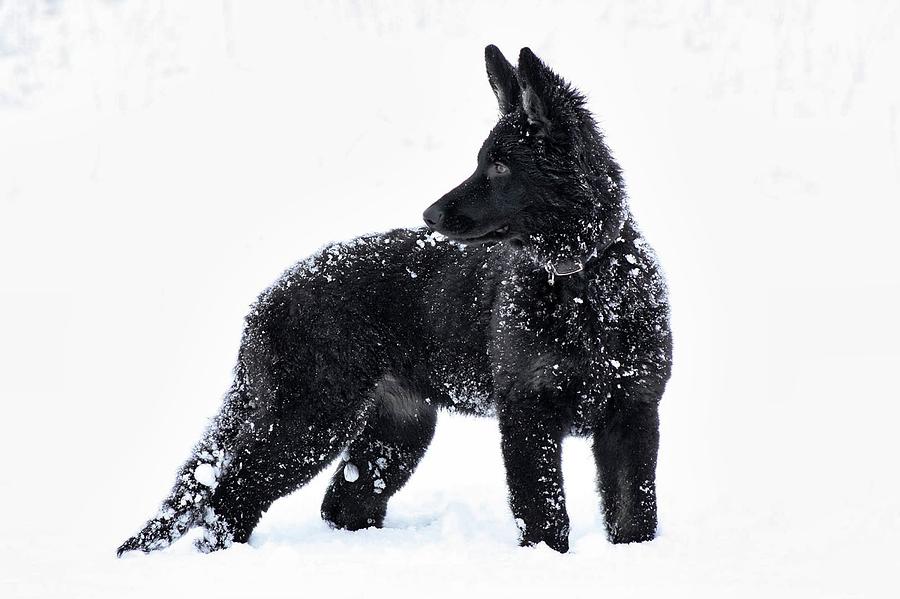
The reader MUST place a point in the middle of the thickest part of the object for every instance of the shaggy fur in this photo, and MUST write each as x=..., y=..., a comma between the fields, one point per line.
x=533, y=298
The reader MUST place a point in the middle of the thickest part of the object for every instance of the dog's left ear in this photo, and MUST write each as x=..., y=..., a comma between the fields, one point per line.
x=543, y=93
x=502, y=77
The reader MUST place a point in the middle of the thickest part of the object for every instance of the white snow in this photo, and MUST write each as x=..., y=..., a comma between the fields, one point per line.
x=205, y=475
x=162, y=162
x=351, y=472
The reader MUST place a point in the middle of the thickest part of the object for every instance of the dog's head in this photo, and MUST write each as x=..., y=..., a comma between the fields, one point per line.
x=544, y=175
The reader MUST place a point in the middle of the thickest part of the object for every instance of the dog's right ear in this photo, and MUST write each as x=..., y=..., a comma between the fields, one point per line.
x=503, y=80
x=538, y=92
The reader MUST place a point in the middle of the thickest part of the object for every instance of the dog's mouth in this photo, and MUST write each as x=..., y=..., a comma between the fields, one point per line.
x=497, y=234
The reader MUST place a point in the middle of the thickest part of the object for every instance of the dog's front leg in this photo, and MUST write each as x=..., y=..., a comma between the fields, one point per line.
x=532, y=453
x=625, y=449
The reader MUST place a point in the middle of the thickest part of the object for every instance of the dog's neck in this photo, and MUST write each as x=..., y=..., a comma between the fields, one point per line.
x=567, y=255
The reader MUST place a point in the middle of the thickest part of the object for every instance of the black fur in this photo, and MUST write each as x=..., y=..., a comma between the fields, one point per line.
x=534, y=299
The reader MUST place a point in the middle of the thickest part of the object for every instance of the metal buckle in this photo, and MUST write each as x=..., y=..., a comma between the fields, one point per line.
x=554, y=269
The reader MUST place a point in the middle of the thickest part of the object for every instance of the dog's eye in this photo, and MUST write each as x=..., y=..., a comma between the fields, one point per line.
x=497, y=169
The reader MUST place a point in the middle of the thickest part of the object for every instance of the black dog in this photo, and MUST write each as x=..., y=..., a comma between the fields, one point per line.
x=535, y=299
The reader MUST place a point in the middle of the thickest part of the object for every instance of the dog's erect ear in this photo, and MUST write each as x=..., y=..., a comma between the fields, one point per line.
x=542, y=91
x=502, y=77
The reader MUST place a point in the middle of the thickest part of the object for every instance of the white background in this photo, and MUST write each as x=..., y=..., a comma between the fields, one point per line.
x=161, y=163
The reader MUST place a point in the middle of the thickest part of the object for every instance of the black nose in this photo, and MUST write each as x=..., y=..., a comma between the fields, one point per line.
x=433, y=216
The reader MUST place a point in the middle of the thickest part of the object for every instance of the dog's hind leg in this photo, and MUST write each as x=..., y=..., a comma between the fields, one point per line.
x=196, y=479
x=285, y=459
x=319, y=405
x=298, y=399
x=380, y=460
x=625, y=450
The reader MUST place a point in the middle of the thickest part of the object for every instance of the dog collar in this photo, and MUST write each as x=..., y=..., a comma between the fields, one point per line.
x=563, y=269
x=566, y=268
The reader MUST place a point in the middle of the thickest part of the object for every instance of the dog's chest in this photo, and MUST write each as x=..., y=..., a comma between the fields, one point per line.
x=556, y=331
x=545, y=315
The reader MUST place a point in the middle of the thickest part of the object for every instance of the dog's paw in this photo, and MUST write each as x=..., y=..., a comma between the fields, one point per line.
x=554, y=542
x=638, y=529
x=352, y=512
x=210, y=542
x=354, y=521
x=554, y=534
x=621, y=537
x=218, y=534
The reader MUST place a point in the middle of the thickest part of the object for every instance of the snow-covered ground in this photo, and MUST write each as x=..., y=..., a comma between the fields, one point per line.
x=161, y=163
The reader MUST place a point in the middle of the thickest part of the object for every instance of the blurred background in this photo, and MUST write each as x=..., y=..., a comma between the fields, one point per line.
x=162, y=162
